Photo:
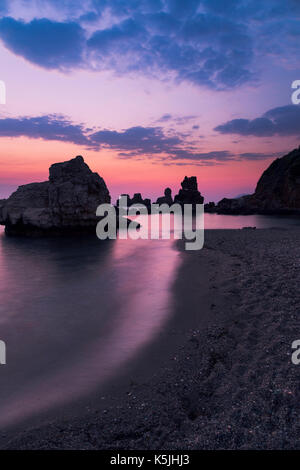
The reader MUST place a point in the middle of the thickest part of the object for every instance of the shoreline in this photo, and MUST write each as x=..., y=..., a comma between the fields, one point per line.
x=231, y=383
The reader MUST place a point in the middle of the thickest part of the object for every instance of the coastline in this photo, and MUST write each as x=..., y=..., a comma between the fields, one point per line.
x=231, y=384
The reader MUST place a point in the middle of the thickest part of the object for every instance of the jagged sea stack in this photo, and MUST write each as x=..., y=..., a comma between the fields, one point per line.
x=166, y=199
x=189, y=193
x=66, y=204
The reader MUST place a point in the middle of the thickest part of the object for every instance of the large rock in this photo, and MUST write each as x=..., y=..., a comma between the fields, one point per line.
x=66, y=203
x=279, y=185
x=189, y=194
x=277, y=191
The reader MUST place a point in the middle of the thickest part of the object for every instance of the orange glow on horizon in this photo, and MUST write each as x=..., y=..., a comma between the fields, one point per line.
x=26, y=160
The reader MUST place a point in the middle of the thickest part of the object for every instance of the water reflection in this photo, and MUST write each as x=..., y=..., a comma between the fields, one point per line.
x=73, y=312
x=216, y=221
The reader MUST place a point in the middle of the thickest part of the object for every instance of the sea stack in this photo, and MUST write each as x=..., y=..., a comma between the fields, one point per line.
x=189, y=194
x=166, y=199
x=64, y=204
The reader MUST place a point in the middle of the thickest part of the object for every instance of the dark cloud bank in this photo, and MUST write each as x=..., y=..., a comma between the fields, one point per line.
x=152, y=143
x=281, y=121
x=210, y=43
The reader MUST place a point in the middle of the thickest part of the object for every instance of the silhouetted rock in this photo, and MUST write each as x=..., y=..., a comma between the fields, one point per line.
x=135, y=200
x=279, y=185
x=189, y=193
x=210, y=207
x=166, y=199
x=66, y=203
x=240, y=205
x=147, y=203
x=123, y=197
x=277, y=191
x=2, y=204
x=190, y=183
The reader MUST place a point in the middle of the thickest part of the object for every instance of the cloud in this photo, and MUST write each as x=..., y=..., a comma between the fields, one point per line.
x=131, y=142
x=139, y=143
x=165, y=118
x=180, y=120
x=259, y=156
x=48, y=127
x=137, y=140
x=281, y=121
x=3, y=6
x=49, y=44
x=167, y=38
x=155, y=144
x=216, y=155
x=208, y=43
x=119, y=38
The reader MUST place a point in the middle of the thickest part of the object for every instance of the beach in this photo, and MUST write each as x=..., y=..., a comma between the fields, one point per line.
x=129, y=130
x=230, y=383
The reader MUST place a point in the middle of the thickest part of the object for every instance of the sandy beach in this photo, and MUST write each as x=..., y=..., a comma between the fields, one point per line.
x=231, y=383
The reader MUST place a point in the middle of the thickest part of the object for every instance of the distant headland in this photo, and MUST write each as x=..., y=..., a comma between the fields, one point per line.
x=277, y=191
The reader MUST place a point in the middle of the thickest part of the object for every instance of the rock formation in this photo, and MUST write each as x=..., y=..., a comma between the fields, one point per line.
x=277, y=191
x=65, y=204
x=167, y=198
x=135, y=200
x=279, y=185
x=210, y=207
x=189, y=193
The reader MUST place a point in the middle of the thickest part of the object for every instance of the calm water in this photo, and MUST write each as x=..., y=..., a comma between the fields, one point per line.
x=215, y=221
x=74, y=313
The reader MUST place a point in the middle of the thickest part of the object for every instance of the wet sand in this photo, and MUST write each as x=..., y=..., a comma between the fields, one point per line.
x=229, y=383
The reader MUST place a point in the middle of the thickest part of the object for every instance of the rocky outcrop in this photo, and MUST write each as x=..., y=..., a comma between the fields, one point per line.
x=210, y=207
x=189, y=194
x=279, y=185
x=277, y=191
x=241, y=205
x=65, y=204
x=166, y=199
x=2, y=204
x=135, y=200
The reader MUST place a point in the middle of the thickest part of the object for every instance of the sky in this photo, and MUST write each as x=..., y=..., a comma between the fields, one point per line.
x=149, y=91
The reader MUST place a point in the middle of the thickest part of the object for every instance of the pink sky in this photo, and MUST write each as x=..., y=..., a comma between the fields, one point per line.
x=104, y=100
